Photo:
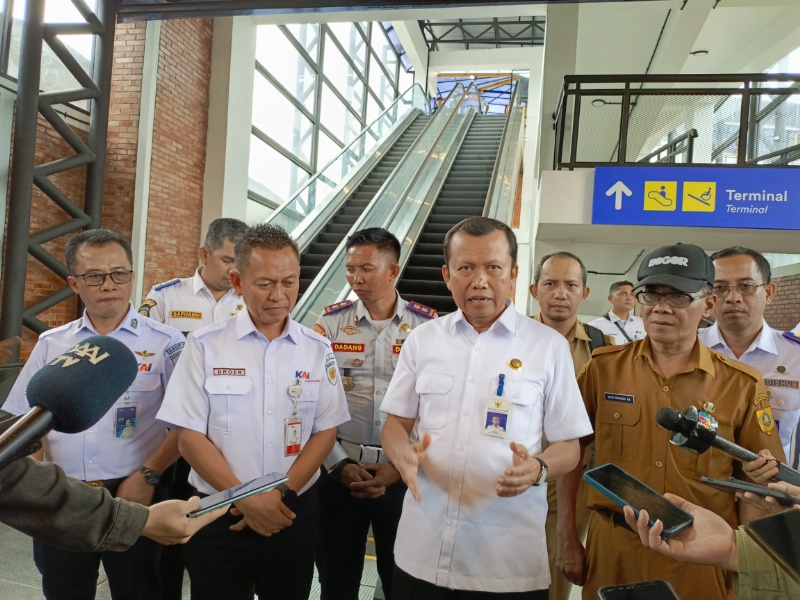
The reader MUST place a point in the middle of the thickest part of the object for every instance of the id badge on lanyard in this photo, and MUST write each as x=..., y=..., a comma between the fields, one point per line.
x=497, y=409
x=293, y=426
x=125, y=419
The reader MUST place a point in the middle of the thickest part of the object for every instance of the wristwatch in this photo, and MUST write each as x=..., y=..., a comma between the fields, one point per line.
x=288, y=495
x=150, y=476
x=542, y=478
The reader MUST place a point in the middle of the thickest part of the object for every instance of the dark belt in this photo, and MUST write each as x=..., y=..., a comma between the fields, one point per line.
x=105, y=483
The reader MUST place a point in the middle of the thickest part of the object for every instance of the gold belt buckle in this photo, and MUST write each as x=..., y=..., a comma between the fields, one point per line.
x=97, y=483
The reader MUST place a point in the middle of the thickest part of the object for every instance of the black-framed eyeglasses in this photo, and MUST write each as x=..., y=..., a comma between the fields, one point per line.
x=744, y=289
x=674, y=299
x=95, y=279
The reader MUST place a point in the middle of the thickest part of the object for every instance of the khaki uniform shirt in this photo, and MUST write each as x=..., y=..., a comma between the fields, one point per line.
x=579, y=344
x=366, y=359
x=623, y=390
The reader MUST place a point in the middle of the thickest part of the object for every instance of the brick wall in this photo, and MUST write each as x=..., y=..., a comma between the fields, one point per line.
x=179, y=150
x=178, y=166
x=783, y=312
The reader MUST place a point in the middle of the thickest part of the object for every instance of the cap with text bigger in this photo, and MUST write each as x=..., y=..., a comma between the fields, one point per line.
x=685, y=267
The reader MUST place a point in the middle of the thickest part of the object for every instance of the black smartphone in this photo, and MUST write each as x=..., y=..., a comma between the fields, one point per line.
x=779, y=536
x=626, y=490
x=231, y=495
x=734, y=485
x=648, y=590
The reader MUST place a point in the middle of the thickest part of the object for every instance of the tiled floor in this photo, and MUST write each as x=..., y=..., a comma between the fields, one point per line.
x=19, y=579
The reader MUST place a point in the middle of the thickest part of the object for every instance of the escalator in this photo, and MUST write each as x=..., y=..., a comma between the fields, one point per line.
x=463, y=195
x=325, y=243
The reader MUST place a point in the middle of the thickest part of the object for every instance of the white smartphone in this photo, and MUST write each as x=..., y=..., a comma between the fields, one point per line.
x=243, y=490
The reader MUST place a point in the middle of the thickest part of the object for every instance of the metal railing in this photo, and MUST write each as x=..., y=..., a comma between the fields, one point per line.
x=503, y=184
x=636, y=119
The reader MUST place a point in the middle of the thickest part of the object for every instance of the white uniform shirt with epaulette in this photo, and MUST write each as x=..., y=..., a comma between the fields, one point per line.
x=187, y=304
x=610, y=325
x=233, y=386
x=367, y=356
x=778, y=360
x=106, y=450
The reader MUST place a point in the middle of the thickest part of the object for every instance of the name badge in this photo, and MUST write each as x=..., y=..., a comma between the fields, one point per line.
x=125, y=422
x=627, y=398
x=293, y=434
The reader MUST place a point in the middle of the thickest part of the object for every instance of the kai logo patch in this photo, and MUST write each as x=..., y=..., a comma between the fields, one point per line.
x=86, y=350
x=185, y=314
x=145, y=367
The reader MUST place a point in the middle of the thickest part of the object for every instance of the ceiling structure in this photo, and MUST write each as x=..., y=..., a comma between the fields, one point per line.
x=483, y=33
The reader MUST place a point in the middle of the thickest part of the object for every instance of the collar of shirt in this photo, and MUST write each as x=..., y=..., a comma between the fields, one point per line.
x=764, y=341
x=613, y=317
x=508, y=319
x=130, y=323
x=198, y=284
x=363, y=313
x=245, y=327
x=700, y=358
x=578, y=331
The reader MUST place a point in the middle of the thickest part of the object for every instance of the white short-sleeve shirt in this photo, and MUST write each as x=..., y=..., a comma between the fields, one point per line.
x=187, y=304
x=232, y=385
x=102, y=452
x=633, y=326
x=778, y=360
x=461, y=535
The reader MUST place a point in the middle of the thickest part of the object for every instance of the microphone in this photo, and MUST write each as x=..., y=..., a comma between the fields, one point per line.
x=697, y=432
x=71, y=393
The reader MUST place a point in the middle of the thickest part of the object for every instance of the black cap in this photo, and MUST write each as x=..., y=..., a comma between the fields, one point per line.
x=685, y=267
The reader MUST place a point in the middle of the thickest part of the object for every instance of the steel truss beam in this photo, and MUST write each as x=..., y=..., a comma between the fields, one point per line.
x=94, y=87
x=494, y=31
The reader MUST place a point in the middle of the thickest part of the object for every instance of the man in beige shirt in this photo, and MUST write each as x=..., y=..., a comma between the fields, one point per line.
x=559, y=286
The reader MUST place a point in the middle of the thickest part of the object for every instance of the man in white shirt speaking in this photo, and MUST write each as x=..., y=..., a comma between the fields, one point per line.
x=473, y=518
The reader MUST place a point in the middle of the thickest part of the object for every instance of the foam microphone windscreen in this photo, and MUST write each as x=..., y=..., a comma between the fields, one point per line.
x=79, y=386
x=668, y=418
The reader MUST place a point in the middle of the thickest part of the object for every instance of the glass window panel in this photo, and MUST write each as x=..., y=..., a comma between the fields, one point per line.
x=255, y=212
x=379, y=84
x=328, y=150
x=335, y=116
x=273, y=170
x=281, y=120
x=406, y=80
x=307, y=34
x=385, y=51
x=350, y=39
x=343, y=77
x=278, y=56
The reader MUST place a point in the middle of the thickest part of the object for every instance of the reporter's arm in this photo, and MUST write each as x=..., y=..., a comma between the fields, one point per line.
x=168, y=523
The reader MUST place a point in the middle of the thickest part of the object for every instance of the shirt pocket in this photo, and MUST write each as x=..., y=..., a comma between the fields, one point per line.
x=618, y=432
x=146, y=387
x=434, y=391
x=525, y=409
x=231, y=402
x=307, y=406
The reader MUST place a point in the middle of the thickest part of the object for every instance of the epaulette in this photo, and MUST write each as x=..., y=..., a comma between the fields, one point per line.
x=421, y=309
x=608, y=350
x=198, y=333
x=792, y=336
x=739, y=366
x=166, y=284
x=167, y=330
x=334, y=308
x=315, y=335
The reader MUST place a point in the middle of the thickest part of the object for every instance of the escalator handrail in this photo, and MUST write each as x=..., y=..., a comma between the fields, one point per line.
x=487, y=205
x=363, y=132
x=356, y=226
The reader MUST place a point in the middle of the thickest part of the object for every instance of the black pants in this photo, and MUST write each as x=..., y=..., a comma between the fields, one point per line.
x=170, y=568
x=235, y=564
x=69, y=575
x=407, y=587
x=344, y=525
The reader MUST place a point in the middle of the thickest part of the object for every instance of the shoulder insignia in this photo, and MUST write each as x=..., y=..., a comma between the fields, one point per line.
x=792, y=336
x=144, y=309
x=315, y=335
x=167, y=330
x=198, y=333
x=166, y=284
x=421, y=309
x=333, y=308
x=320, y=330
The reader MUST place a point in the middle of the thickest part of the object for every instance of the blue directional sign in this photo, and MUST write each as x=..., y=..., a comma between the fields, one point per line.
x=756, y=198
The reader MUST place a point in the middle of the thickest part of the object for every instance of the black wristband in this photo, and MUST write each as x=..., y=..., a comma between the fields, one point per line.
x=336, y=472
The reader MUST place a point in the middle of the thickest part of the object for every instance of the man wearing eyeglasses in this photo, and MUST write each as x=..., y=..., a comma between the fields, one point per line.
x=623, y=387
x=743, y=287
x=620, y=322
x=127, y=463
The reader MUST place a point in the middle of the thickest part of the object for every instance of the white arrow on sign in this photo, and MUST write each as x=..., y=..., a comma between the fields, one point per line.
x=618, y=189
